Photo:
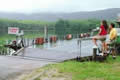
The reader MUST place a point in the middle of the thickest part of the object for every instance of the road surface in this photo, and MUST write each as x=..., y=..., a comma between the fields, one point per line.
x=10, y=67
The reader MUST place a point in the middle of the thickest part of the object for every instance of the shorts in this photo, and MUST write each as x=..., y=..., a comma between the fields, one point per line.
x=101, y=38
x=112, y=44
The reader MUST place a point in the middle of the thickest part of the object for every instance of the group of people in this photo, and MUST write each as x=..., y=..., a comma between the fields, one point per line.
x=104, y=30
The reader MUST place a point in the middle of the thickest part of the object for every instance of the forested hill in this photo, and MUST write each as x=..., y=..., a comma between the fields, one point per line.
x=100, y=14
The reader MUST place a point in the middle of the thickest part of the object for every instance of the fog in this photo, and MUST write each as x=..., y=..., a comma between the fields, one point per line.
x=34, y=6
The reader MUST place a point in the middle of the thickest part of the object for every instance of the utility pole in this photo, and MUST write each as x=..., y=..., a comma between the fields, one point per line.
x=45, y=33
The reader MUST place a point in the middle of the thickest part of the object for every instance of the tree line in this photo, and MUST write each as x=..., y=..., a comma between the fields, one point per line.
x=60, y=27
x=64, y=27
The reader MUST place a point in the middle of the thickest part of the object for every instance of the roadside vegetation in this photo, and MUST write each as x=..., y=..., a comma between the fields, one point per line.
x=33, y=29
x=73, y=70
x=61, y=27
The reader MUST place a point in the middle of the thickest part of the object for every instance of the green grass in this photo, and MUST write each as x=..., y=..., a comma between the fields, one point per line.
x=108, y=70
x=33, y=35
x=5, y=38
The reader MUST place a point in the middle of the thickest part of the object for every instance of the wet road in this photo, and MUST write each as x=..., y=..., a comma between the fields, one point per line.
x=10, y=67
x=38, y=56
x=60, y=51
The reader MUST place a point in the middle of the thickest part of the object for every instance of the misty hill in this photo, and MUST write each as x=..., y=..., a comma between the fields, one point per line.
x=100, y=14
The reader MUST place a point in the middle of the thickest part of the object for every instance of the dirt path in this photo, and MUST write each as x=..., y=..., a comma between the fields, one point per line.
x=46, y=74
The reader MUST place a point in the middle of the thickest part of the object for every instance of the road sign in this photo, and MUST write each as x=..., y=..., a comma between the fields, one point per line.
x=13, y=30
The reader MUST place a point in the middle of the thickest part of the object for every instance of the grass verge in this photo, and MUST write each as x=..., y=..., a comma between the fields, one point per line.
x=73, y=70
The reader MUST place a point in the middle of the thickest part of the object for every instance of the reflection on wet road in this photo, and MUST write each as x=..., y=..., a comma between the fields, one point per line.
x=62, y=50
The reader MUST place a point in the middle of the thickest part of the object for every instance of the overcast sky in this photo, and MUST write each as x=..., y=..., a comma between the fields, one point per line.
x=33, y=6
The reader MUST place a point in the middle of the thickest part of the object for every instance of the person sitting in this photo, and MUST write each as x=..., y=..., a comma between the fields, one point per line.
x=13, y=46
x=102, y=34
x=112, y=37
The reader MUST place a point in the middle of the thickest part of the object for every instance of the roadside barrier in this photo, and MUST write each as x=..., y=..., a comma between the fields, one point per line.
x=53, y=39
x=69, y=37
x=39, y=41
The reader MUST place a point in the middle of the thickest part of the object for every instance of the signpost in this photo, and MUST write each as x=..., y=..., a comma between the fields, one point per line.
x=13, y=30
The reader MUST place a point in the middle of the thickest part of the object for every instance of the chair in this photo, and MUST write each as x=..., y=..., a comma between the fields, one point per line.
x=114, y=45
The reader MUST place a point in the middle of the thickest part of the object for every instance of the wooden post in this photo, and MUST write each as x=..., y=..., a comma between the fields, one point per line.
x=80, y=46
x=94, y=53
